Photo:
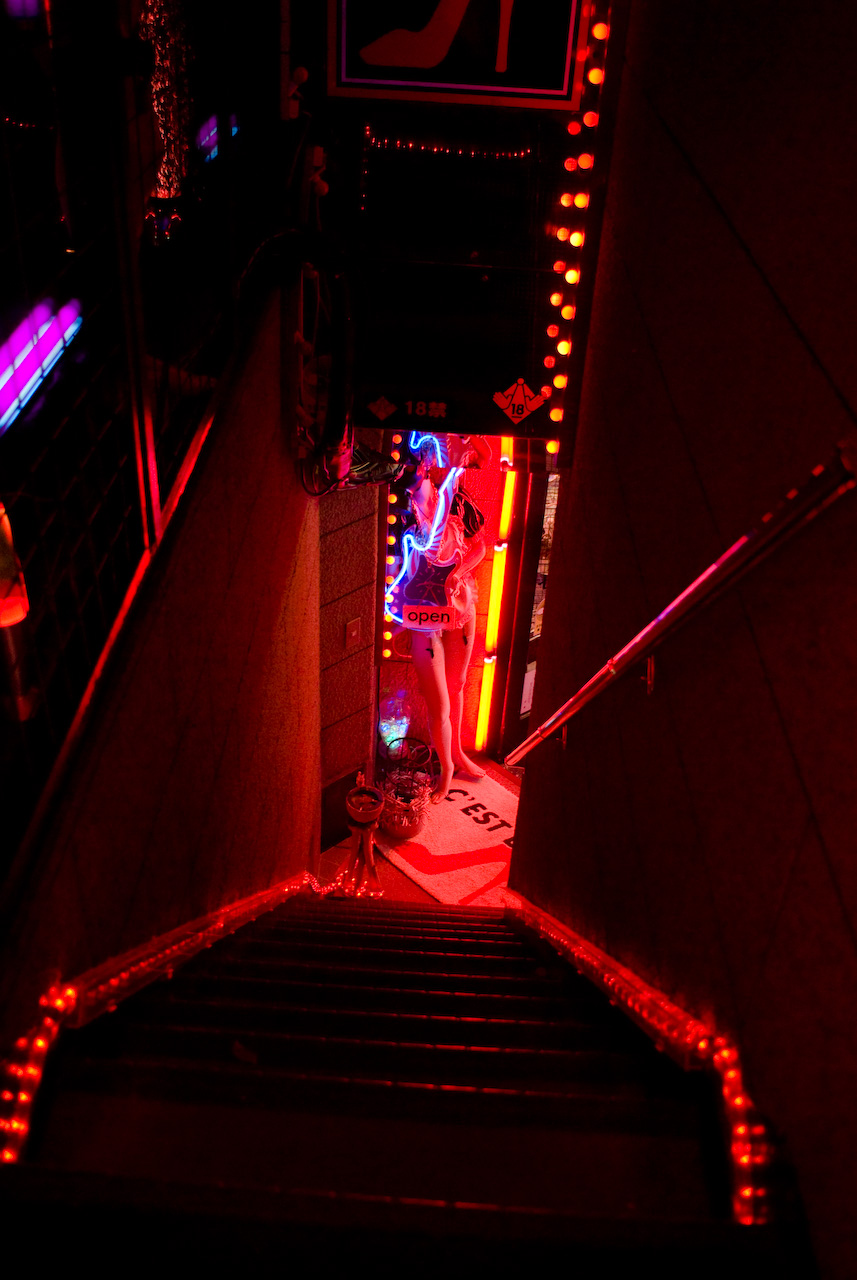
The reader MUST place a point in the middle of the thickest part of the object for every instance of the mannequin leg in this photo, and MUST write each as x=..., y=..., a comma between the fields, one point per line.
x=427, y=651
x=458, y=646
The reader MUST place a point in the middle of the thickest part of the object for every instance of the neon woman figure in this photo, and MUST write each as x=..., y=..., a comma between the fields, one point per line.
x=438, y=569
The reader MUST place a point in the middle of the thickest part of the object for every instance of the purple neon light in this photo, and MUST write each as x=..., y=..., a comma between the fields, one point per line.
x=31, y=351
x=23, y=8
x=206, y=138
x=486, y=88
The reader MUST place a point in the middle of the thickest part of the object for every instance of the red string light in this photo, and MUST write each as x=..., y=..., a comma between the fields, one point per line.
x=101, y=989
x=691, y=1042
x=427, y=148
x=599, y=32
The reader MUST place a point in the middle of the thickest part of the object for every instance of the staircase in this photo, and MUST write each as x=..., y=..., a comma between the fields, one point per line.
x=351, y=1083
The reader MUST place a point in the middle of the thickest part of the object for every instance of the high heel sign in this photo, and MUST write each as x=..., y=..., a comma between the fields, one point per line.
x=503, y=52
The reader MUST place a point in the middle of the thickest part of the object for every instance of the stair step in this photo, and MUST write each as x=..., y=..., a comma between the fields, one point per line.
x=391, y=1074
x=584, y=1172
x=589, y=1105
x=94, y=1215
x=514, y=983
x=389, y=935
x=416, y=999
x=459, y=1061
x=505, y=962
x=380, y=909
x=558, y=1033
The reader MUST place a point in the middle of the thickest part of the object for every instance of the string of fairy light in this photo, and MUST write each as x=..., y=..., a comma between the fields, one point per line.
x=440, y=149
x=565, y=228
x=690, y=1040
x=567, y=235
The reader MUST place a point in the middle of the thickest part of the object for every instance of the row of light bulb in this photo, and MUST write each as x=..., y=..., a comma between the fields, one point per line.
x=569, y=235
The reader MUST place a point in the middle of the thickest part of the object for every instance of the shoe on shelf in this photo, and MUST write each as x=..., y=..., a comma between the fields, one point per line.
x=370, y=467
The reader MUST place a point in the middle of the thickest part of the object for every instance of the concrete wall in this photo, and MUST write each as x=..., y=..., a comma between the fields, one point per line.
x=705, y=835
x=198, y=779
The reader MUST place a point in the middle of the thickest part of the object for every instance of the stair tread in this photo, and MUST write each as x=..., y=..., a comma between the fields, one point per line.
x=195, y=1004
x=165, y=1074
x=227, y=963
x=21, y=1184
x=572, y=1170
x=358, y=1054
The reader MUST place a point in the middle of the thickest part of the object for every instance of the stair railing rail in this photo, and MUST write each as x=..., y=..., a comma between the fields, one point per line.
x=826, y=484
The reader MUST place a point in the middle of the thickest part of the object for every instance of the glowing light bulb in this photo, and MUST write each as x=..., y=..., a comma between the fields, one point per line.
x=595, y=76
x=568, y=312
x=391, y=519
x=566, y=199
x=553, y=330
x=559, y=267
x=561, y=380
x=390, y=580
x=585, y=161
x=552, y=446
x=562, y=233
x=600, y=31
x=556, y=415
x=388, y=635
x=395, y=455
x=581, y=200
x=556, y=299
x=386, y=653
x=574, y=126
x=572, y=276
x=550, y=361
x=397, y=439
x=547, y=392
x=590, y=119
x=391, y=541
x=571, y=164
x=392, y=497
x=563, y=347
x=391, y=559
x=576, y=238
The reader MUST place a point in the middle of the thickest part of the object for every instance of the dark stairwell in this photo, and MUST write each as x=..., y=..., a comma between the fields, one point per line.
x=348, y=1082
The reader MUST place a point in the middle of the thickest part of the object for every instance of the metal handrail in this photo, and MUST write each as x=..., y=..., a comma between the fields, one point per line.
x=826, y=484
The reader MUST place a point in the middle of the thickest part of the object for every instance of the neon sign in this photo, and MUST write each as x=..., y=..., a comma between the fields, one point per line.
x=206, y=138
x=31, y=351
x=414, y=546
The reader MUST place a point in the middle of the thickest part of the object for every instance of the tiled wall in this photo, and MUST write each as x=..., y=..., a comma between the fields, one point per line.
x=198, y=780
x=705, y=835
x=349, y=551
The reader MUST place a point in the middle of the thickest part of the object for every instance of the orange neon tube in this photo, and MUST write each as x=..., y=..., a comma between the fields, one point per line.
x=506, y=508
x=488, y=668
x=495, y=598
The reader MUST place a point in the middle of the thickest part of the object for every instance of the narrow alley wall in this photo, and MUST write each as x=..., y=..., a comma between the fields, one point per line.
x=198, y=780
x=705, y=835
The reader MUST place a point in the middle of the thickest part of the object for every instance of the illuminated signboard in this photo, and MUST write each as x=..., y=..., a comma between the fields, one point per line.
x=505, y=54
x=30, y=352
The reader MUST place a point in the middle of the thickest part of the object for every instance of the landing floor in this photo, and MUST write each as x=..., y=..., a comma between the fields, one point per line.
x=461, y=855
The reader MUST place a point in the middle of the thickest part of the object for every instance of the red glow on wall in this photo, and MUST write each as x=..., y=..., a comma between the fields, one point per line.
x=691, y=1041
x=14, y=605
